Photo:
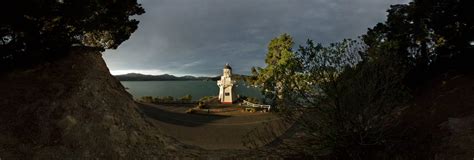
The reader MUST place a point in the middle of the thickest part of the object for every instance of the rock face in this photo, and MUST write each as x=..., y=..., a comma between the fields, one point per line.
x=440, y=121
x=72, y=109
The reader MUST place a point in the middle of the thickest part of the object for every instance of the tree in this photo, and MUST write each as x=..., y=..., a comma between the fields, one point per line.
x=279, y=60
x=46, y=29
x=426, y=35
x=405, y=34
x=343, y=105
x=453, y=25
x=346, y=97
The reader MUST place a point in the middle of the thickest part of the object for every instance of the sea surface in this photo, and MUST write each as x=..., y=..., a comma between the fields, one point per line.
x=177, y=89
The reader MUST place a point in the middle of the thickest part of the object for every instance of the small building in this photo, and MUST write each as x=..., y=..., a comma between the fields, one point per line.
x=226, y=85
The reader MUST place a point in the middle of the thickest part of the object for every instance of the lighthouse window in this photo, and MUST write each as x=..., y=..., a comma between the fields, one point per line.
x=227, y=94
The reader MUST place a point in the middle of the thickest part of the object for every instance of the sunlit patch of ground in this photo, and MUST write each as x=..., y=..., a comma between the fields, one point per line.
x=223, y=131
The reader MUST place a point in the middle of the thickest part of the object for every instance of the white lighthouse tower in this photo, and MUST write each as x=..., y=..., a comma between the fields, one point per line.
x=226, y=93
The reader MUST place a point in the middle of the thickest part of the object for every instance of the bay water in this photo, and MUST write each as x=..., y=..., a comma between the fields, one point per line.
x=178, y=89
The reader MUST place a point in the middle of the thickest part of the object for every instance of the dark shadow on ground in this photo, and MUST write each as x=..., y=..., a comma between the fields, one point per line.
x=183, y=119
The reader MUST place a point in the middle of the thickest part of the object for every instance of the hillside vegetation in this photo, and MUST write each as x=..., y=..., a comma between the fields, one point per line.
x=403, y=90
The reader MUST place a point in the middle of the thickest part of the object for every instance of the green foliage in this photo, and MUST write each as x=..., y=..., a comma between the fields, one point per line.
x=405, y=34
x=164, y=99
x=280, y=50
x=344, y=105
x=250, y=99
x=253, y=100
x=201, y=105
x=206, y=99
x=425, y=35
x=347, y=96
x=280, y=60
x=356, y=115
x=298, y=70
x=147, y=99
x=191, y=110
x=45, y=29
x=349, y=104
x=186, y=98
x=450, y=21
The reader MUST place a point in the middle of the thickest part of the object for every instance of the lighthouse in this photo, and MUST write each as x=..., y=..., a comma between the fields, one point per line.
x=226, y=93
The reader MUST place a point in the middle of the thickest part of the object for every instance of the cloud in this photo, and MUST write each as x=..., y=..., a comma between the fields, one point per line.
x=199, y=37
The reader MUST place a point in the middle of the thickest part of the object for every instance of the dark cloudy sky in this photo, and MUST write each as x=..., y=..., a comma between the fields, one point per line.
x=197, y=37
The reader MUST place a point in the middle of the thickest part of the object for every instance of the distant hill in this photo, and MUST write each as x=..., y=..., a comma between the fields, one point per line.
x=164, y=77
x=168, y=77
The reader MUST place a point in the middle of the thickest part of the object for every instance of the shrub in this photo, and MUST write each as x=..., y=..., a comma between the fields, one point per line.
x=186, y=98
x=206, y=99
x=253, y=100
x=201, y=105
x=164, y=99
x=146, y=99
x=191, y=110
x=343, y=107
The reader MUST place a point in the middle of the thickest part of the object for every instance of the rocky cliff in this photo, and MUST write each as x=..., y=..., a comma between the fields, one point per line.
x=72, y=108
x=439, y=124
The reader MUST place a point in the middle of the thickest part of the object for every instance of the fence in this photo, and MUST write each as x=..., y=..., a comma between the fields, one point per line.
x=250, y=104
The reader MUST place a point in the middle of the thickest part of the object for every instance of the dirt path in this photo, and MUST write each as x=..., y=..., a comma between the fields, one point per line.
x=210, y=131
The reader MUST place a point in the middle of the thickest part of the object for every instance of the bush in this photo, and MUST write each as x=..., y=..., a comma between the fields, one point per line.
x=201, y=105
x=206, y=99
x=357, y=120
x=353, y=117
x=186, y=98
x=253, y=100
x=191, y=110
x=164, y=99
x=147, y=99
x=343, y=106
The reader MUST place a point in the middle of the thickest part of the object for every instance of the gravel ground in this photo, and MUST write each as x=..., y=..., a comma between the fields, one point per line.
x=211, y=131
